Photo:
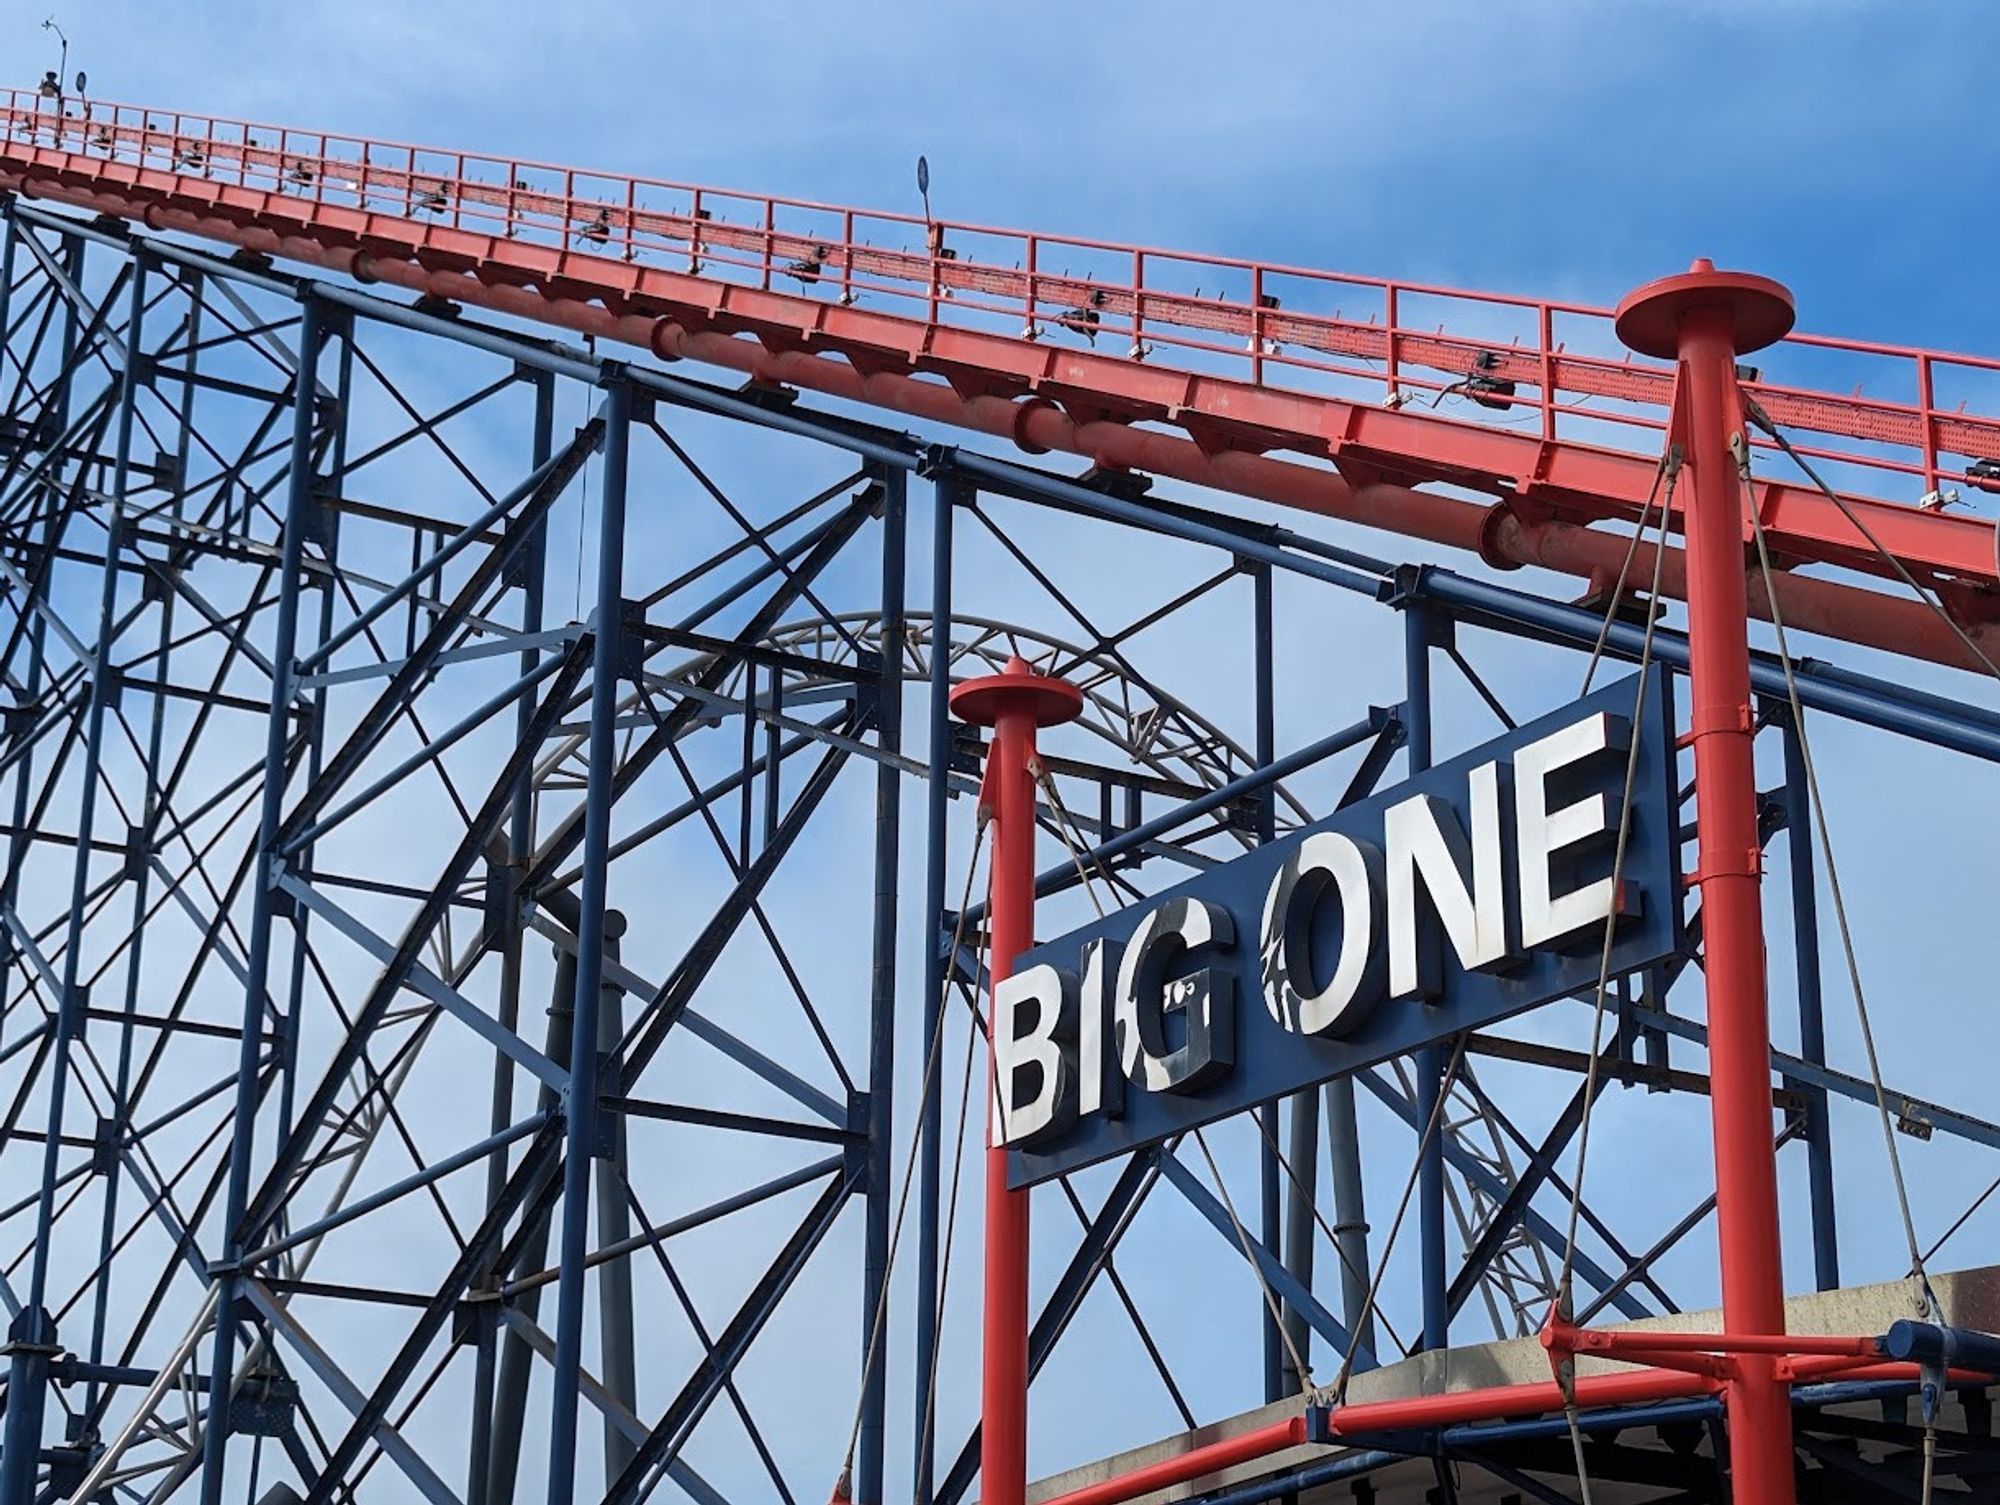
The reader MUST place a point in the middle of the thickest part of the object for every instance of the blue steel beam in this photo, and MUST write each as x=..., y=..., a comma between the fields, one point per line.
x=32, y=1335
x=1812, y=1013
x=1433, y=1283
x=420, y=979
x=1640, y=1268
x=1795, y=1068
x=335, y=450
x=826, y=546
x=1282, y=1282
x=692, y=1022
x=1590, y=1218
x=882, y=994
x=617, y=1333
x=277, y=767
x=809, y=547
x=530, y=574
x=66, y=280
x=1461, y=1160
x=432, y=1172
x=8, y=235
x=1294, y=1234
x=1506, y=1216
x=439, y=743
x=373, y=1412
x=1877, y=703
x=526, y=1253
x=316, y=1358
x=1034, y=485
x=1854, y=697
x=687, y=1222
x=460, y=540
x=1290, y=1485
x=713, y=793
x=947, y=494
x=667, y=1005
x=394, y=697
x=121, y=1092
x=663, y=1443
x=580, y=1105
x=507, y=642
x=614, y=1411
x=730, y=1387
x=756, y=538
x=275, y=1189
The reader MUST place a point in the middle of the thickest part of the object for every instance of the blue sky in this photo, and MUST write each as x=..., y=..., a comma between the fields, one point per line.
x=1553, y=147
x=1571, y=150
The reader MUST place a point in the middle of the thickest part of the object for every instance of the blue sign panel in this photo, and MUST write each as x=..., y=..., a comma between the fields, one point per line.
x=1476, y=889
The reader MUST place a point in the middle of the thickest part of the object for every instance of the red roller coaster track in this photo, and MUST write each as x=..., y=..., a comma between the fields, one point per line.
x=1117, y=353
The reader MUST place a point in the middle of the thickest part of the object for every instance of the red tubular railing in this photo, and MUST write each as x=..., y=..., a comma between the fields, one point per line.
x=498, y=195
x=1267, y=323
x=1842, y=1358
x=1196, y=1463
x=701, y=273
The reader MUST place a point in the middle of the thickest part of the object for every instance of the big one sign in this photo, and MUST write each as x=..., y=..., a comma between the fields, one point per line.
x=1476, y=889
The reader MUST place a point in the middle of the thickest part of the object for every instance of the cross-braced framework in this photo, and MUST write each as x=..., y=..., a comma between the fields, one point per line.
x=459, y=916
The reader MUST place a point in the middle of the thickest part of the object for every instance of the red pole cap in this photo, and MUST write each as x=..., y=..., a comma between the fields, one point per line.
x=1017, y=688
x=1760, y=311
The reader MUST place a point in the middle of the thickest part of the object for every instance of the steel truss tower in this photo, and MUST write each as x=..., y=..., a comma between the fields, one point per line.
x=472, y=806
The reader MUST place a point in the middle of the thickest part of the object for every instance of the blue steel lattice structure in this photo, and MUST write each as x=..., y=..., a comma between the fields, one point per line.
x=341, y=739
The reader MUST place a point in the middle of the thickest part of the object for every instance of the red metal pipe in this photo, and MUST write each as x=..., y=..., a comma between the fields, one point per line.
x=1499, y=534
x=1823, y=1367
x=1014, y=703
x=1709, y=318
x=1196, y=1463
x=514, y=234
x=1843, y=1357
x=1501, y=1401
x=1422, y=1412
x=1717, y=1366
x=1639, y=1344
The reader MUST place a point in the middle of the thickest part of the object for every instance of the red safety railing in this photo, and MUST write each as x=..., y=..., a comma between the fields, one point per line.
x=1261, y=322
x=1530, y=401
x=1683, y=1365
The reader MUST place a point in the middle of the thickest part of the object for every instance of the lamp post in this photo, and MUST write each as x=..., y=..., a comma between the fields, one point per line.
x=52, y=83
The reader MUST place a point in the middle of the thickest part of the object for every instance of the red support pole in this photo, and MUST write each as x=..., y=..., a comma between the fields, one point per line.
x=1705, y=319
x=1015, y=703
x=1452, y=1408
x=1196, y=1463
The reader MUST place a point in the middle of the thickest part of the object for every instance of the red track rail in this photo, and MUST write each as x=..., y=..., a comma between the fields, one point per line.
x=1193, y=366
